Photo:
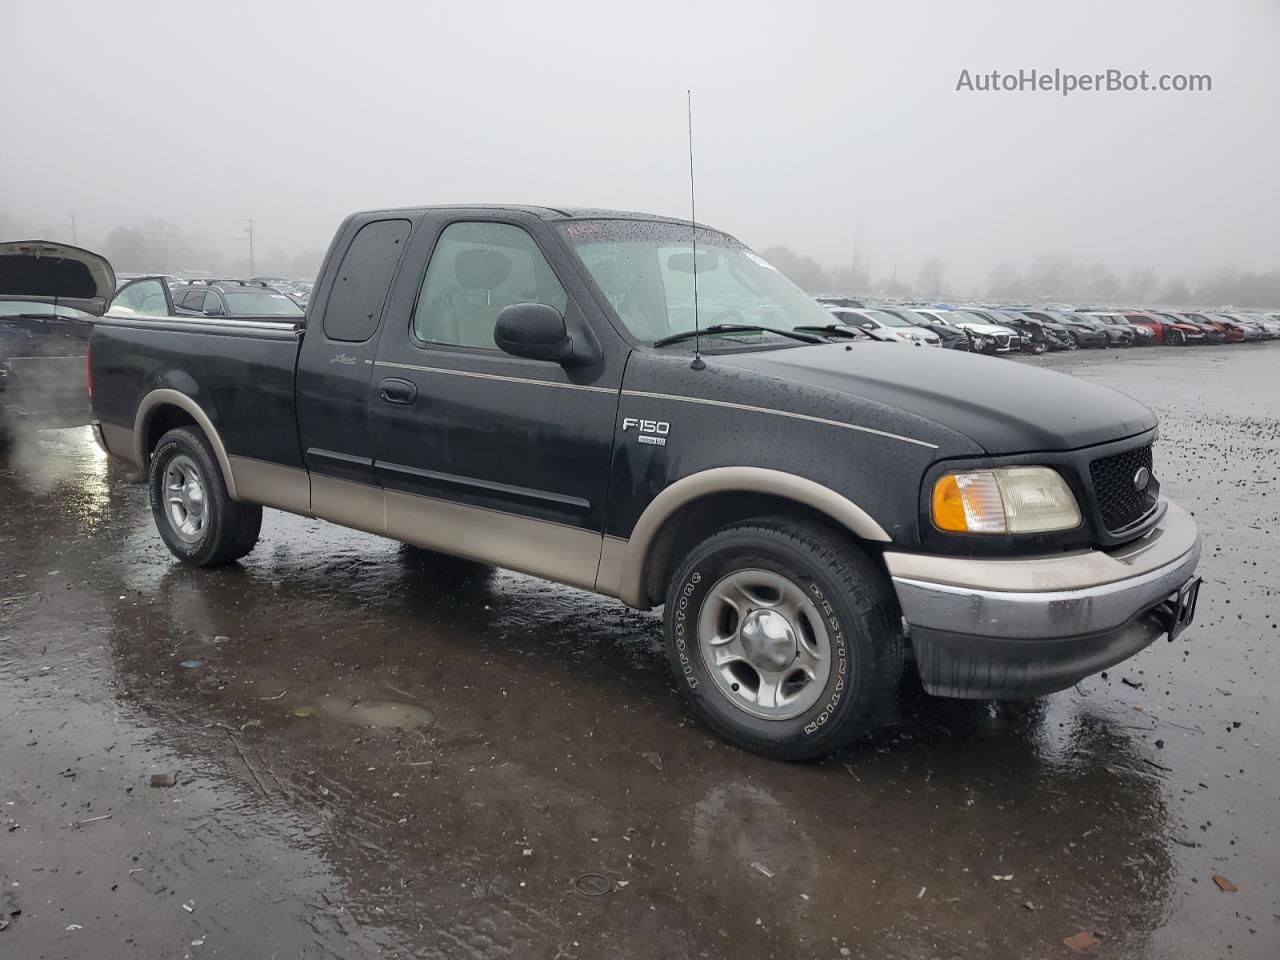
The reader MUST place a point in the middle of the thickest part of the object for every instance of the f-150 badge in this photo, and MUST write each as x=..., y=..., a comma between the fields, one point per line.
x=652, y=432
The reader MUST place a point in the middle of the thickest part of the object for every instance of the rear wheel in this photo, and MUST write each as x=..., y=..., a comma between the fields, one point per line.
x=784, y=636
x=196, y=517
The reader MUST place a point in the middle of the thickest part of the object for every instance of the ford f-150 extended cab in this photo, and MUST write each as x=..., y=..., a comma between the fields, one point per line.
x=523, y=387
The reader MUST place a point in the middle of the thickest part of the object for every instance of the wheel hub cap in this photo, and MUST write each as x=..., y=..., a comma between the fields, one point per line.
x=765, y=643
x=184, y=498
x=769, y=640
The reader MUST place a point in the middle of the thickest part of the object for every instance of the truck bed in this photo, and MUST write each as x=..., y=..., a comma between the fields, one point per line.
x=241, y=369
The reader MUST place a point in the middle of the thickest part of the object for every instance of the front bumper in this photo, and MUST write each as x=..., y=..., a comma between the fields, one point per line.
x=1020, y=628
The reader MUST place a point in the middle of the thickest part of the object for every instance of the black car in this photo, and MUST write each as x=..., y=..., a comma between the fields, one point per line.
x=1078, y=332
x=1037, y=336
x=952, y=338
x=526, y=387
x=50, y=295
x=234, y=298
x=1132, y=334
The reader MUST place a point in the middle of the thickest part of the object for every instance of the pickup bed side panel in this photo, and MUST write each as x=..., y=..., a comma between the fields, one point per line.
x=239, y=377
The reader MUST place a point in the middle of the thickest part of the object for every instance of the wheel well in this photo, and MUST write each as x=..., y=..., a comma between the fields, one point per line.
x=164, y=419
x=700, y=518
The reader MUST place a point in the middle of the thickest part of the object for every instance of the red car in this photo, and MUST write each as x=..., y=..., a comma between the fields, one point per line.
x=1166, y=330
x=1233, y=333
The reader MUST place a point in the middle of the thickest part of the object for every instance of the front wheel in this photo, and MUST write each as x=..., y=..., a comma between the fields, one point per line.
x=1177, y=338
x=1039, y=346
x=784, y=636
x=1073, y=342
x=197, y=519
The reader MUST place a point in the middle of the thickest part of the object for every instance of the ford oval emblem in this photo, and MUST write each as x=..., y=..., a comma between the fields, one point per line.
x=1141, y=479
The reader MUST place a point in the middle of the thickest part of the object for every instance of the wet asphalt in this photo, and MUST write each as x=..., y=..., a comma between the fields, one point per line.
x=379, y=753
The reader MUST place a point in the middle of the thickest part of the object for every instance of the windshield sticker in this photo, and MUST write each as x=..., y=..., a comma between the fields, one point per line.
x=759, y=260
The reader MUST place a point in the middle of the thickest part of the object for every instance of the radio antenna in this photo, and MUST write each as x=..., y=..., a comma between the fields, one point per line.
x=698, y=362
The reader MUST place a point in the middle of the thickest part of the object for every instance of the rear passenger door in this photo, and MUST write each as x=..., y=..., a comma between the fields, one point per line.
x=483, y=454
x=335, y=369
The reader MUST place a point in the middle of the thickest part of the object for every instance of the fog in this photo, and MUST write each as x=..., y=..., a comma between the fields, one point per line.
x=833, y=129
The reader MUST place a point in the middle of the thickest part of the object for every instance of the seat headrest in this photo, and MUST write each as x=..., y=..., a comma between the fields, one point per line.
x=481, y=269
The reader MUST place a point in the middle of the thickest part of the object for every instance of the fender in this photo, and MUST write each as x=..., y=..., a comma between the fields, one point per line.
x=165, y=396
x=622, y=562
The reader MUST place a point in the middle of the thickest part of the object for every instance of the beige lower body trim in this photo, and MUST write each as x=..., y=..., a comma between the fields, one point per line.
x=167, y=397
x=119, y=441
x=613, y=560
x=1173, y=538
x=624, y=561
x=551, y=550
x=358, y=505
x=272, y=484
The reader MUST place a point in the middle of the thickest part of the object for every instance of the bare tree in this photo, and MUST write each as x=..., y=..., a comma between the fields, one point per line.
x=933, y=275
x=804, y=272
x=1138, y=284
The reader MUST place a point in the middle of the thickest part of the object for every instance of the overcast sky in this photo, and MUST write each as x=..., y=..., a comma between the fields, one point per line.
x=811, y=121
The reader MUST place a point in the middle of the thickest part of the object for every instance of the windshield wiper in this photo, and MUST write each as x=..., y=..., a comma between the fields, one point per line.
x=833, y=329
x=735, y=328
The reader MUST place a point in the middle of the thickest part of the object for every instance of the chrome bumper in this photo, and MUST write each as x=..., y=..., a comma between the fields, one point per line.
x=1010, y=628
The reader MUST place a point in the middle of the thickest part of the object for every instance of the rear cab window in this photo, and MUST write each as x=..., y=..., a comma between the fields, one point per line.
x=362, y=281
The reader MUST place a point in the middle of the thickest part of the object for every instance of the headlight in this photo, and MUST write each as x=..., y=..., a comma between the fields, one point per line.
x=1004, y=500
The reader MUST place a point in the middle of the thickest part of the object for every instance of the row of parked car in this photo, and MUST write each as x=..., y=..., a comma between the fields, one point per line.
x=1006, y=329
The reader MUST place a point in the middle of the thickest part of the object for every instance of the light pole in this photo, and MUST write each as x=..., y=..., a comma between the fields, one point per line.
x=249, y=230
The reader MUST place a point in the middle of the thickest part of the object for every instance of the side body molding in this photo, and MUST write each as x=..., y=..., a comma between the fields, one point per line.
x=163, y=397
x=622, y=562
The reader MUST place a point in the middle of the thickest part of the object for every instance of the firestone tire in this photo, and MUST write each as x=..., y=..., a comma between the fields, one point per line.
x=841, y=611
x=196, y=517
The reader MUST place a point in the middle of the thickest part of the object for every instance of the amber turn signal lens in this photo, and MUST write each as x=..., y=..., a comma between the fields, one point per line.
x=948, y=505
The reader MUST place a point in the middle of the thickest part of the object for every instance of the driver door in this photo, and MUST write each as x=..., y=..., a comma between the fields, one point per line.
x=483, y=454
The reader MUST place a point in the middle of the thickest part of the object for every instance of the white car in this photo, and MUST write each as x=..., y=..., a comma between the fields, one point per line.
x=987, y=337
x=886, y=326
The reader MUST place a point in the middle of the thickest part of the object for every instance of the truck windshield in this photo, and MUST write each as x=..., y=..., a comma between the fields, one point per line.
x=646, y=270
x=260, y=303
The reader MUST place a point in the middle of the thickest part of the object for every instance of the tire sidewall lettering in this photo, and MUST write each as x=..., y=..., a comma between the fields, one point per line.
x=681, y=629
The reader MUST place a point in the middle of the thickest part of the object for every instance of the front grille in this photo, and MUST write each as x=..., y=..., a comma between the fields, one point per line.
x=1002, y=339
x=1119, y=502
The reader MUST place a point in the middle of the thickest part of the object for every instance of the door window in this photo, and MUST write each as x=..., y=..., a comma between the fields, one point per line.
x=363, y=279
x=193, y=300
x=213, y=304
x=475, y=271
x=142, y=297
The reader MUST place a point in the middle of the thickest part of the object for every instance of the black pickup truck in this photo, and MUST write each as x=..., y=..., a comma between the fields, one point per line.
x=524, y=387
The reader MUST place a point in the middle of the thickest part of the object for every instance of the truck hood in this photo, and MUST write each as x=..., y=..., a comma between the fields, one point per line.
x=38, y=271
x=1004, y=406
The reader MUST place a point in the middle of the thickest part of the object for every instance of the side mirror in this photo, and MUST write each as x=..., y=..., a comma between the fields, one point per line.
x=534, y=331
x=868, y=325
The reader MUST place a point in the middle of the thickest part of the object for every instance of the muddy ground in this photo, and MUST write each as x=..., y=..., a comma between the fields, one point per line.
x=380, y=755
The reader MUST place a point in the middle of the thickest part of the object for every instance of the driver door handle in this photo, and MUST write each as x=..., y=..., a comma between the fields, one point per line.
x=395, y=390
